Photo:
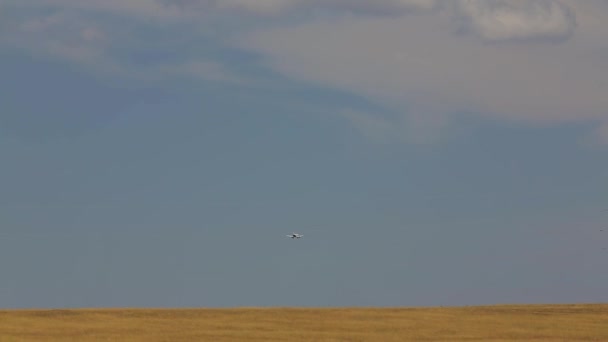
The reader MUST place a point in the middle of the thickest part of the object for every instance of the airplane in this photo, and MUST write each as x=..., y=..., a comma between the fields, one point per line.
x=295, y=235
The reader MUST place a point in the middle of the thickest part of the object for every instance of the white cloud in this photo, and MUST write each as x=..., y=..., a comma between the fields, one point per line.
x=172, y=9
x=259, y=6
x=411, y=64
x=500, y=20
x=274, y=7
x=416, y=64
x=59, y=35
x=373, y=7
x=72, y=37
x=71, y=30
x=136, y=8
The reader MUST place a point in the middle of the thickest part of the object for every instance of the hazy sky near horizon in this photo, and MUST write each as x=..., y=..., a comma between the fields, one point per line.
x=155, y=153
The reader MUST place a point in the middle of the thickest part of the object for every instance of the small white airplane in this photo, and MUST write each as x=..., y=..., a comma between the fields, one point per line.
x=295, y=235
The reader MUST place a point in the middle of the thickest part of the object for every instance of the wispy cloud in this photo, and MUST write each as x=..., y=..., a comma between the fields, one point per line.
x=99, y=43
x=417, y=64
x=416, y=128
x=505, y=20
x=427, y=59
x=274, y=7
x=180, y=9
x=132, y=8
x=57, y=35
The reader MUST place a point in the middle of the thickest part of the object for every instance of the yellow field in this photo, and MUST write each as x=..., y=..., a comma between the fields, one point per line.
x=482, y=323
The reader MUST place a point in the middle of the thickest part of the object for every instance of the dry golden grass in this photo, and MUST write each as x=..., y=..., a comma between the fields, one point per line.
x=482, y=323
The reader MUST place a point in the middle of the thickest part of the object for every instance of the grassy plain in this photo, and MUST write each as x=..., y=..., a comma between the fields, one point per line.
x=479, y=323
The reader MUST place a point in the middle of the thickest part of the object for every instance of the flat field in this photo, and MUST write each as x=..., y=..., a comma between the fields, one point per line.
x=582, y=322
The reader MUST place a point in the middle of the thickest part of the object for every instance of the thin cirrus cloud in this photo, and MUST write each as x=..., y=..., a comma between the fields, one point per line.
x=535, y=61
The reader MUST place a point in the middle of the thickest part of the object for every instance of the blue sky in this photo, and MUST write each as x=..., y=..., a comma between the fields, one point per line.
x=155, y=153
